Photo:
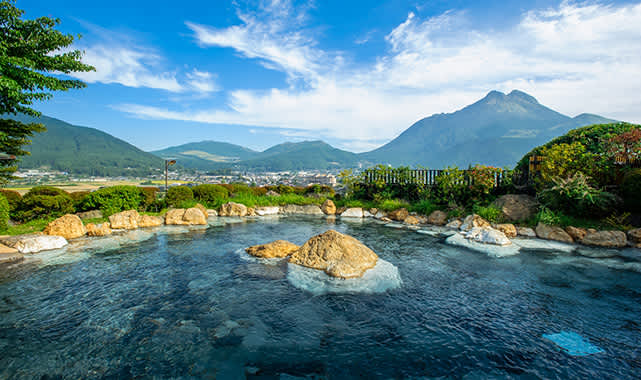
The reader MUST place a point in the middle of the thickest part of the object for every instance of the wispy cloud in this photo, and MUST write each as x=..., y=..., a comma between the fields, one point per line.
x=576, y=57
x=118, y=58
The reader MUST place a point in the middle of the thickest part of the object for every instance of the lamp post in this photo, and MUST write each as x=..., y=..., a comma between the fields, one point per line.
x=167, y=164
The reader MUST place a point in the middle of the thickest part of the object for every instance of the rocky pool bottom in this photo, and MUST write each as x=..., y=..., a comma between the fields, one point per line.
x=180, y=302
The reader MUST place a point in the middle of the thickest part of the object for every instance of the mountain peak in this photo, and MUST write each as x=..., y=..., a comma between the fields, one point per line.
x=494, y=96
x=516, y=94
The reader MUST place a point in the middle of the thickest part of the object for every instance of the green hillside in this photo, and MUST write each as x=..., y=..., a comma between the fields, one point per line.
x=497, y=130
x=82, y=150
x=205, y=155
x=301, y=156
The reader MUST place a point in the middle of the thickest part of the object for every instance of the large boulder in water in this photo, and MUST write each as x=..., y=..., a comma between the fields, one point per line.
x=517, y=206
x=337, y=254
x=276, y=249
x=68, y=226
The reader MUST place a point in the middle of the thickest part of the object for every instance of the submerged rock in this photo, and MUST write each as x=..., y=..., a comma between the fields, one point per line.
x=399, y=215
x=337, y=254
x=553, y=233
x=544, y=245
x=383, y=277
x=455, y=224
x=607, y=239
x=276, y=249
x=437, y=218
x=328, y=207
x=127, y=220
x=68, y=226
x=102, y=229
x=233, y=209
x=517, y=207
x=34, y=243
x=472, y=221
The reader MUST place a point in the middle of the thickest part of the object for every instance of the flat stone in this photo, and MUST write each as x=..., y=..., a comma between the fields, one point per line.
x=276, y=249
x=270, y=210
x=150, y=221
x=525, y=232
x=34, y=243
x=606, y=239
x=490, y=249
x=487, y=235
x=544, y=245
x=455, y=224
x=301, y=210
x=354, y=212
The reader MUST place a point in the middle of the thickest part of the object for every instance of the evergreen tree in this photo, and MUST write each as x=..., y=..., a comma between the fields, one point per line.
x=33, y=56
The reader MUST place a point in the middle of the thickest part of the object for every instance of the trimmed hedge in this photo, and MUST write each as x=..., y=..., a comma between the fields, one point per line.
x=178, y=194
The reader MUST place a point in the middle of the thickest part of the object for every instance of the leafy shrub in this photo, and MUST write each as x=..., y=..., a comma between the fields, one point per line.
x=260, y=191
x=320, y=189
x=424, y=207
x=209, y=194
x=178, y=194
x=111, y=200
x=44, y=202
x=562, y=160
x=577, y=197
x=149, y=196
x=547, y=216
x=451, y=186
x=13, y=197
x=483, y=180
x=4, y=213
x=630, y=190
x=78, y=197
x=619, y=221
x=392, y=204
x=490, y=213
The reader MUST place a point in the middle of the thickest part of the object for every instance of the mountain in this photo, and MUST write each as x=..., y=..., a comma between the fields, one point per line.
x=82, y=150
x=205, y=155
x=497, y=130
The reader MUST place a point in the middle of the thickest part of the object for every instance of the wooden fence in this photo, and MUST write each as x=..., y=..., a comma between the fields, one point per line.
x=426, y=177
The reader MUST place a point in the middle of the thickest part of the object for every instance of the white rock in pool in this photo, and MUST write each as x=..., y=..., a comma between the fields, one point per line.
x=490, y=249
x=383, y=277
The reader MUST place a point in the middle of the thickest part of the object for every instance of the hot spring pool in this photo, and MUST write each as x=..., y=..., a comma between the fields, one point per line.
x=192, y=305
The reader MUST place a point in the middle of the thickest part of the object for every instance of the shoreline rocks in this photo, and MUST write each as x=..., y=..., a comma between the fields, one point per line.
x=185, y=217
x=233, y=209
x=555, y=233
x=33, y=243
x=68, y=226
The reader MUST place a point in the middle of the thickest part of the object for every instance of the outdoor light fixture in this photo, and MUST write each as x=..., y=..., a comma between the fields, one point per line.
x=167, y=164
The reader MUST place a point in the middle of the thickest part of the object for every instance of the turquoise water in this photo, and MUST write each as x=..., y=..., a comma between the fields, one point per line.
x=192, y=305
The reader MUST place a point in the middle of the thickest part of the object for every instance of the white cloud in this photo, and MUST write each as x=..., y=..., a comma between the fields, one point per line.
x=576, y=57
x=120, y=59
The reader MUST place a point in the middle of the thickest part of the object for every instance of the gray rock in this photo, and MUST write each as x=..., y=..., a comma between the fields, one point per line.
x=517, y=206
x=354, y=212
x=302, y=210
x=34, y=243
x=553, y=233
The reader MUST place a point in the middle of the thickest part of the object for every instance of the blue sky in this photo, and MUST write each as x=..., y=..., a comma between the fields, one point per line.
x=352, y=73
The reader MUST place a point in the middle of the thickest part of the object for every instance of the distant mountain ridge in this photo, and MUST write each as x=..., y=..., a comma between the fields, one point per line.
x=496, y=130
x=84, y=150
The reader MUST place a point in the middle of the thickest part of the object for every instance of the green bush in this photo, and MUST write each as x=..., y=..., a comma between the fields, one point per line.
x=451, y=187
x=547, y=216
x=630, y=189
x=111, y=200
x=178, y=194
x=575, y=196
x=149, y=196
x=320, y=189
x=4, y=213
x=78, y=198
x=210, y=194
x=44, y=202
x=13, y=197
x=424, y=207
x=490, y=213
